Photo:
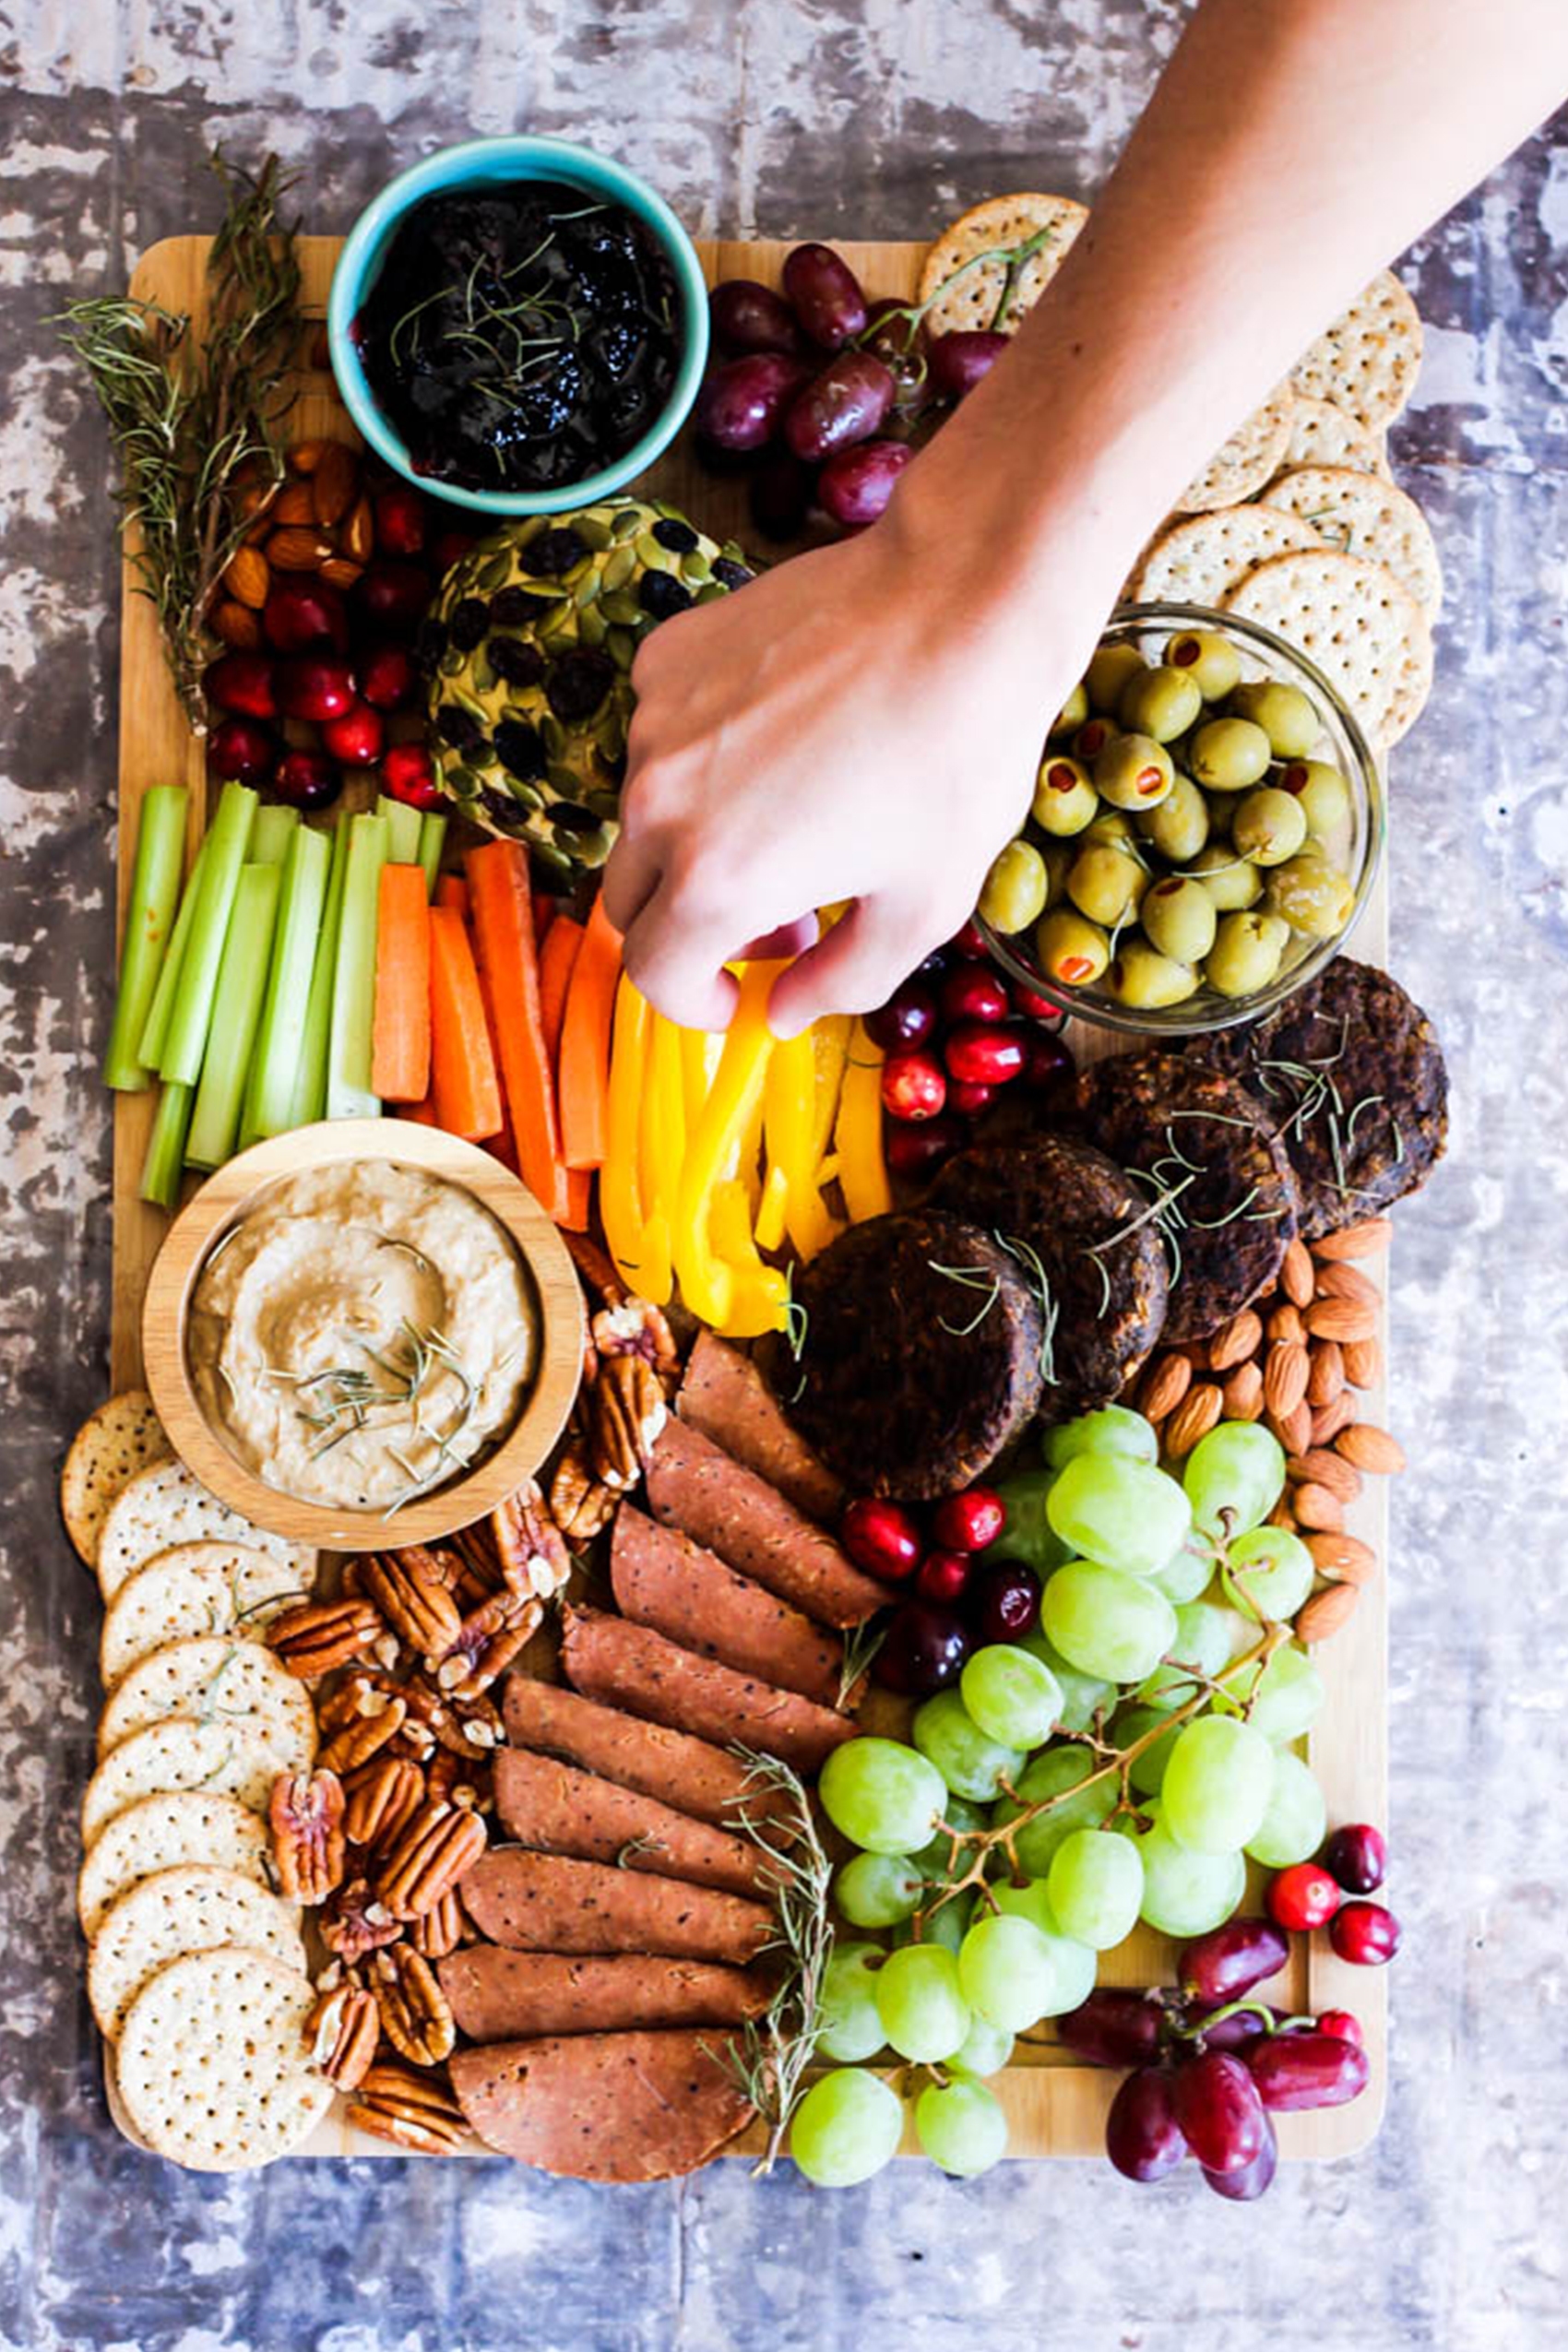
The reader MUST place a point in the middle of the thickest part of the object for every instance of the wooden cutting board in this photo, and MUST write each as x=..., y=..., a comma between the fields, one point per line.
x=1055, y=2107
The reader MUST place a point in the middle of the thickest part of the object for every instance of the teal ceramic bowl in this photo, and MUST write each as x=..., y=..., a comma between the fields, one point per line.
x=476, y=164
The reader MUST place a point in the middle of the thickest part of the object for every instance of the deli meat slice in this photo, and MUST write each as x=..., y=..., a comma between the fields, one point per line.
x=558, y=1809
x=663, y=1579
x=629, y=1666
x=546, y=1903
x=694, y=1485
x=691, y=1774
x=603, y=2107
x=497, y=1995
x=725, y=1397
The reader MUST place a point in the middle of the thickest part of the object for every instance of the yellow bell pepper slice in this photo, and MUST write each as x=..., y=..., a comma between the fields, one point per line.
x=857, y=1134
x=788, y=1117
x=662, y=1135
x=640, y=1246
x=729, y=1107
x=760, y=1297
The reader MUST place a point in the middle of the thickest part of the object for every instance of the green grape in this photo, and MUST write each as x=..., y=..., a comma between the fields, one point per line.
x=1011, y=1695
x=921, y=2002
x=944, y=1923
x=877, y=1889
x=1075, y=1961
x=1082, y=1695
x=1030, y=1901
x=937, y=1860
x=986, y=2050
x=881, y=1794
x=1052, y=1775
x=1013, y=1975
x=1120, y=1512
x=1149, y=1769
x=1112, y=1429
x=1105, y=1621
x=961, y=2127
x=1292, y=1828
x=847, y=2127
x=970, y=1764
x=1184, y=1893
x=1238, y=1469
x=1096, y=1886
x=1206, y=1639
x=1268, y=1574
x=1218, y=1784
x=1027, y=1533
x=1284, y=1696
x=1185, y=1576
x=852, y=2028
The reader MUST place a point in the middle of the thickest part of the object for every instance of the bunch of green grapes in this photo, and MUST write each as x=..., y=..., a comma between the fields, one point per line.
x=1120, y=1762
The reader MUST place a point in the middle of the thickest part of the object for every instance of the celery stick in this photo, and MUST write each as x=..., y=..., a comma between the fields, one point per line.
x=349, y=1092
x=236, y=1012
x=402, y=830
x=166, y=1147
x=275, y=1069
x=310, y=1086
x=433, y=839
x=155, y=891
x=154, y=1030
x=226, y=838
x=274, y=828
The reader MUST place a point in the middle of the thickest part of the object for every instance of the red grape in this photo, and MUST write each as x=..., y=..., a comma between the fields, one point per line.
x=1355, y=1855
x=749, y=317
x=1218, y=2107
x=825, y=295
x=913, y=1085
x=1365, y=1933
x=856, y=483
x=1008, y=1603
x=1231, y=1960
x=920, y=1151
x=1303, y=1896
x=973, y=991
x=1116, y=2027
x=1249, y=2181
x=846, y=403
x=907, y=1019
x=882, y=1538
x=958, y=361
x=742, y=403
x=1143, y=2138
x=984, y=1053
x=1236, y=2031
x=942, y=1577
x=923, y=1651
x=1307, y=2070
x=969, y=1521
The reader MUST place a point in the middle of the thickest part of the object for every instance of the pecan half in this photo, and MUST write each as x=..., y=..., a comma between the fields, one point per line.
x=580, y=1505
x=627, y=1410
x=319, y=1636
x=428, y=1860
x=636, y=1328
x=594, y=1267
x=416, y=2112
x=488, y=1640
x=440, y=1930
x=534, y=1559
x=460, y=1780
x=470, y=1728
x=305, y=1817
x=385, y=1795
x=344, y=2032
x=416, y=2016
x=409, y=1588
x=355, y=1923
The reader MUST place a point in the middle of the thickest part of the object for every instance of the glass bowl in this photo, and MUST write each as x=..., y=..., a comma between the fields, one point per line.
x=1264, y=655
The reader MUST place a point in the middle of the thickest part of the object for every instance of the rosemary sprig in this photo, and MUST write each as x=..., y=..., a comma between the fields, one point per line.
x=861, y=1643
x=969, y=1277
x=1035, y=1275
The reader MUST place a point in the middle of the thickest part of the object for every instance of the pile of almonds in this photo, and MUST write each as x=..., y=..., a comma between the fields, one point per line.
x=1295, y=1360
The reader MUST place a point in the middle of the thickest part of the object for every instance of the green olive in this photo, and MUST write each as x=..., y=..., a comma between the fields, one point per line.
x=1270, y=825
x=1178, y=826
x=1230, y=754
x=1134, y=772
x=1092, y=737
x=1103, y=883
x=1064, y=800
x=1284, y=714
x=1057, y=858
x=1179, y=919
x=1109, y=673
x=1014, y=893
x=1141, y=977
x=1230, y=881
x=1311, y=894
x=1074, y=711
x=1246, y=954
x=1162, y=703
x=1204, y=655
x=1072, y=950
x=1325, y=802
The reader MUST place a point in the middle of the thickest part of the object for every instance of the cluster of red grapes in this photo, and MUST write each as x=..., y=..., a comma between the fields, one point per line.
x=822, y=389
x=955, y=1602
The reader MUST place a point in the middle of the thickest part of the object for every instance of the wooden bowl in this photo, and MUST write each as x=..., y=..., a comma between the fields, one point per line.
x=227, y=1196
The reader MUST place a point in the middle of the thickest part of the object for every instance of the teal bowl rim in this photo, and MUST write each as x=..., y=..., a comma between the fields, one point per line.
x=521, y=158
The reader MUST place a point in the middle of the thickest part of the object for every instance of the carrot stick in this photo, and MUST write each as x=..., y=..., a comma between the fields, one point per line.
x=498, y=891
x=451, y=890
x=579, y=1198
x=465, y=1089
x=584, y=1041
x=557, y=960
x=399, y=1062
x=422, y=1112
x=545, y=909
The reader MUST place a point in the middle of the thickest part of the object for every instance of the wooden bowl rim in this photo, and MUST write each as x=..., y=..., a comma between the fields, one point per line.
x=227, y=1196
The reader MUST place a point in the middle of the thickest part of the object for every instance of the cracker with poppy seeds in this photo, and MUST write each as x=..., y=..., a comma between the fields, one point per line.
x=122, y=1437
x=1367, y=362
x=1201, y=560
x=1243, y=462
x=976, y=277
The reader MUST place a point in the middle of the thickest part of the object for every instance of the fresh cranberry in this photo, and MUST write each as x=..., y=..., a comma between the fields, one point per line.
x=316, y=687
x=391, y=598
x=1034, y=1007
x=882, y=1538
x=923, y=1650
x=1048, y=1060
x=245, y=684
x=1304, y=1896
x=1342, y=2022
x=450, y=548
x=1357, y=1857
x=357, y=736
x=968, y=1098
x=920, y=1151
x=1365, y=1933
x=969, y=1521
x=307, y=779
x=240, y=751
x=969, y=940
x=973, y=993
x=913, y=1085
x=980, y=1053
x=942, y=1576
x=400, y=521
x=386, y=677
x=1006, y=1601
x=408, y=776
x=305, y=615
x=907, y=1019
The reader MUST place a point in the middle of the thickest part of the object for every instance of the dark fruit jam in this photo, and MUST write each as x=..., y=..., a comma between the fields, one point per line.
x=521, y=337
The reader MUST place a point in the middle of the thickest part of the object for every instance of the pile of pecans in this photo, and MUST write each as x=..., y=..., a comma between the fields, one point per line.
x=1295, y=1360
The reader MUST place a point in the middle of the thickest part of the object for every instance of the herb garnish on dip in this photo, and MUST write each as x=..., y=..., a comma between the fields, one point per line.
x=362, y=1336
x=522, y=339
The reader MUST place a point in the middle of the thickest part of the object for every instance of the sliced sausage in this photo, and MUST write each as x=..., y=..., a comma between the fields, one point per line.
x=663, y=1579
x=691, y=1774
x=603, y=2107
x=694, y=1485
x=497, y=1995
x=606, y=1658
x=725, y=1397
x=558, y=1809
x=546, y=1903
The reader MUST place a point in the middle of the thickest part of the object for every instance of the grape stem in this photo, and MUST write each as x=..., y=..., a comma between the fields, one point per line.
x=1246, y=2006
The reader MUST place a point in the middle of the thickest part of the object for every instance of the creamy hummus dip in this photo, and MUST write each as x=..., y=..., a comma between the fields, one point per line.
x=362, y=1336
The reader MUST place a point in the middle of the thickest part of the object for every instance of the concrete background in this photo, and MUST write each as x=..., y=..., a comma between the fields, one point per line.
x=830, y=116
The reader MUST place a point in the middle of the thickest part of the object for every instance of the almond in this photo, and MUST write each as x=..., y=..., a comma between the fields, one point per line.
x=1370, y=1448
x=1197, y=1413
x=1296, y=1276
x=1343, y=1558
x=247, y=578
x=1316, y=1508
x=339, y=572
x=1326, y=1377
x=296, y=548
x=1321, y=1467
x=1347, y=1282
x=1362, y=1240
x=1341, y=1319
x=357, y=538
x=236, y=626
x=1243, y=1394
x=1162, y=1386
x=1282, y=1515
x=1238, y=1339
x=305, y=456
x=1330, y=1419
x=1285, y=1324
x=1294, y=1428
x=1285, y=1377
x=1325, y=1612
x=1363, y=1361
x=293, y=504
x=334, y=483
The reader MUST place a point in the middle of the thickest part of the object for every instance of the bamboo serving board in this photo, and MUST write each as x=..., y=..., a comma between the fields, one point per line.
x=1055, y=2107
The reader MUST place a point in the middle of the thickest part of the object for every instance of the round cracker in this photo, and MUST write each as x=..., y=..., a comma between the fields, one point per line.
x=1200, y=561
x=213, y=2065
x=1361, y=625
x=166, y=1505
x=971, y=301
x=216, y=1677
x=1244, y=463
x=1365, y=517
x=1322, y=434
x=122, y=1437
x=229, y=1756
x=162, y=1833
x=193, y=1908
x=1368, y=361
x=195, y=1588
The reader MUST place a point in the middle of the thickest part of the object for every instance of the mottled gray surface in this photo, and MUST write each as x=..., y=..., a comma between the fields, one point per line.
x=835, y=114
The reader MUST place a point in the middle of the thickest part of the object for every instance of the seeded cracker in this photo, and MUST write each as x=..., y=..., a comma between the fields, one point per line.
x=212, y=2061
x=972, y=300
x=1244, y=462
x=192, y=1909
x=1322, y=434
x=218, y=1677
x=123, y=1436
x=162, y=1833
x=1200, y=561
x=195, y=1588
x=1368, y=361
x=164, y=1505
x=1364, y=516
x=1363, y=629
x=227, y=1756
